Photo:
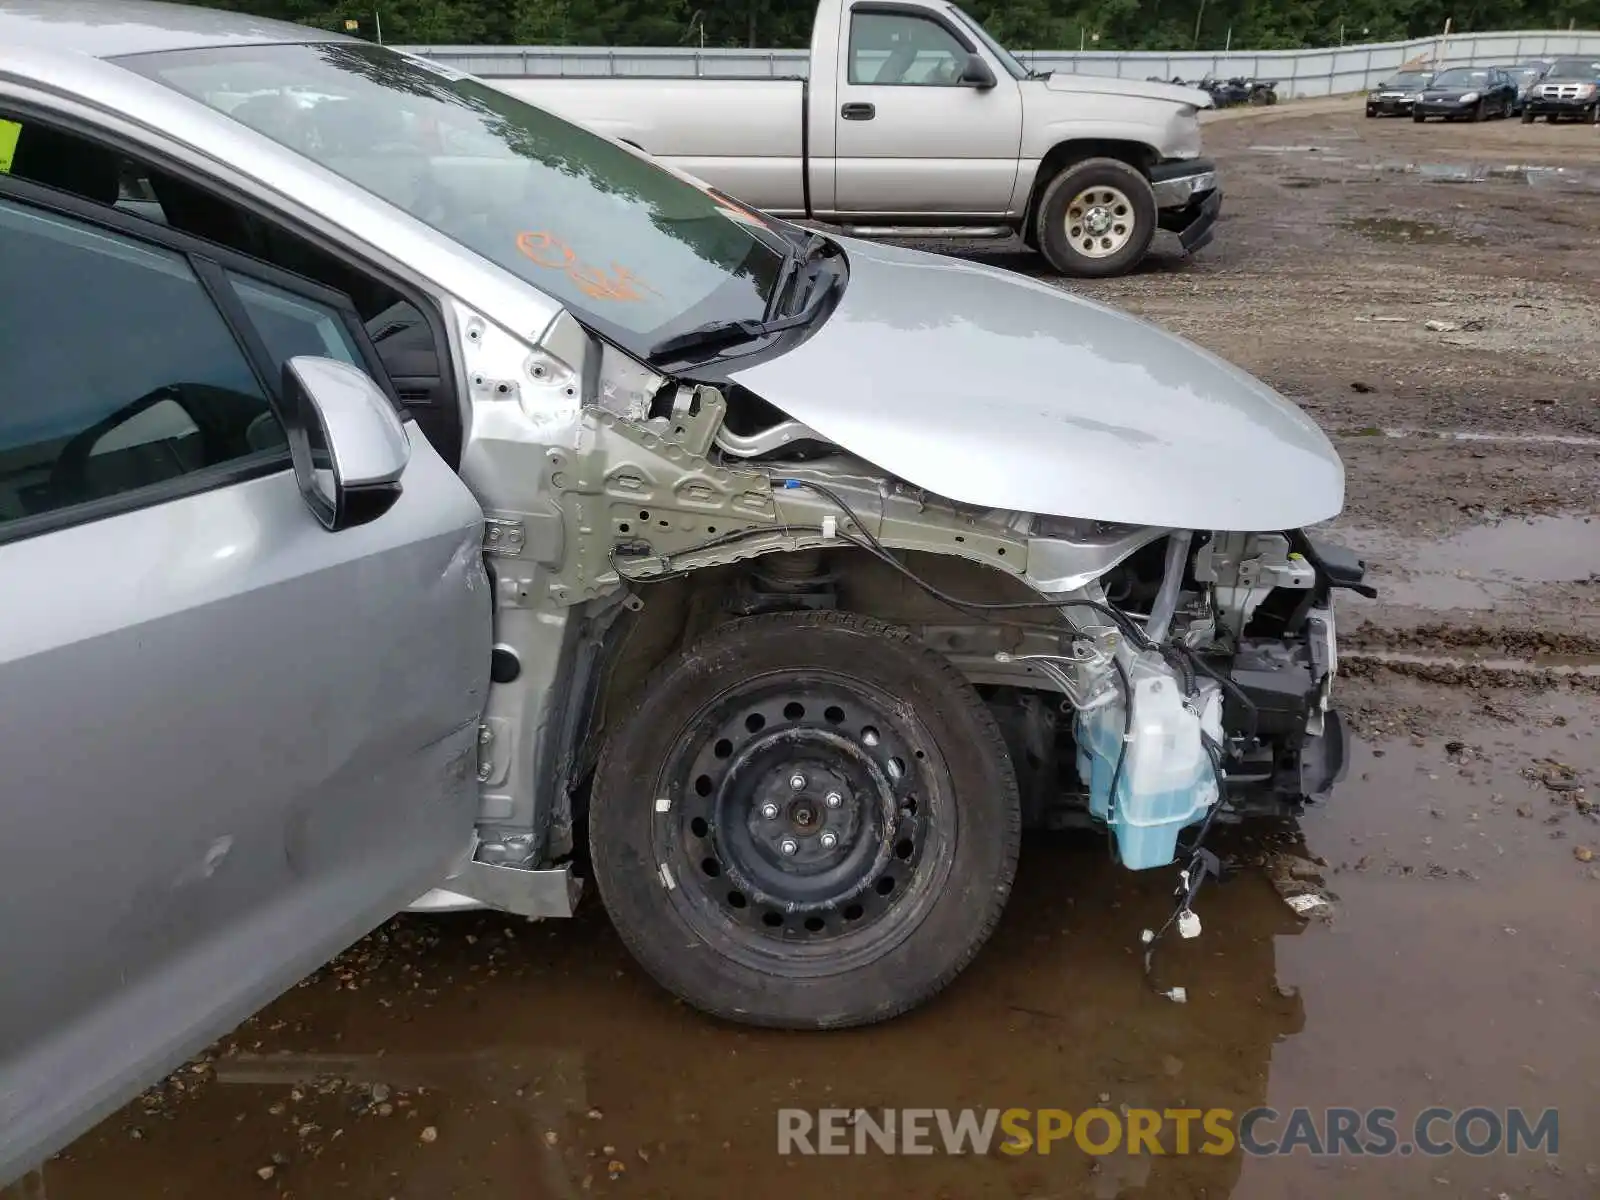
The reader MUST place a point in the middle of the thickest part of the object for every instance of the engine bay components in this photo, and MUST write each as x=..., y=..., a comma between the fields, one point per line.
x=1148, y=758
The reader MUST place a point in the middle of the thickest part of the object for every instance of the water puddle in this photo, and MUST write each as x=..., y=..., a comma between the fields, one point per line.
x=1410, y=232
x=1484, y=565
x=1586, y=666
x=1468, y=435
x=1530, y=174
x=1536, y=550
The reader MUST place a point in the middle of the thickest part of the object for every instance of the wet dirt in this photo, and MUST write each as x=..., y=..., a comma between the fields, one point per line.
x=1456, y=969
x=1405, y=230
x=1456, y=966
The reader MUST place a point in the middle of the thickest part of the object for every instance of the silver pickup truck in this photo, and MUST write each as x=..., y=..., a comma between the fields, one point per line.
x=914, y=122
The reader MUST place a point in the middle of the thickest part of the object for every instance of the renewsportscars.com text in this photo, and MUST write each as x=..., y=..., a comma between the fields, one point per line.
x=1320, y=1132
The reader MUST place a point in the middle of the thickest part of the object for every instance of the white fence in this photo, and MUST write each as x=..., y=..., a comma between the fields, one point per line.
x=1326, y=72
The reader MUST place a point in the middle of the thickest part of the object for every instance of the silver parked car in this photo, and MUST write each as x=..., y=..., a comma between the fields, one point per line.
x=402, y=489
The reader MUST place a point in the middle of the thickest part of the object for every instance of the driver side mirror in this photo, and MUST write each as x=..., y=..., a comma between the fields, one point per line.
x=347, y=443
x=976, y=73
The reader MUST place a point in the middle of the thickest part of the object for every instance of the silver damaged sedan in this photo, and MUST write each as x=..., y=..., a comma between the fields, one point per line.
x=411, y=500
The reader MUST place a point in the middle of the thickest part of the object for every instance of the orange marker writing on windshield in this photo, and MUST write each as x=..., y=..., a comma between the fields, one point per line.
x=546, y=250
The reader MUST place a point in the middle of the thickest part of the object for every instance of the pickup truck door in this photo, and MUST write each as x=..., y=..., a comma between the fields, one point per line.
x=234, y=740
x=910, y=138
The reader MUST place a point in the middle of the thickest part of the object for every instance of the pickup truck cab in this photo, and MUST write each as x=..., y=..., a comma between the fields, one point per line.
x=914, y=122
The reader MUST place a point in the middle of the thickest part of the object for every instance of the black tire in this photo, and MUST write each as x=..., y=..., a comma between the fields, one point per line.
x=1527, y=117
x=1478, y=111
x=690, y=861
x=1064, y=252
x=1418, y=118
x=1371, y=113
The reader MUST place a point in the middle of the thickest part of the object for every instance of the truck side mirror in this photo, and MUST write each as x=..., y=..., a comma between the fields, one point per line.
x=976, y=73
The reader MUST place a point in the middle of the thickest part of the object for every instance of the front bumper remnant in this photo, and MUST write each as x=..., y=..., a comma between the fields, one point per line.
x=1188, y=200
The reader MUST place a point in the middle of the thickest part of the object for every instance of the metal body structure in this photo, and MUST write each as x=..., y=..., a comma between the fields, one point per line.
x=320, y=720
x=891, y=133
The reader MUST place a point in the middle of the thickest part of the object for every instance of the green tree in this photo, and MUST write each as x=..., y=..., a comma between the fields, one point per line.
x=1024, y=24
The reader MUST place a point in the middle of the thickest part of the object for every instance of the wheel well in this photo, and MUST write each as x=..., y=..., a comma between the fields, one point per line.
x=1064, y=154
x=679, y=612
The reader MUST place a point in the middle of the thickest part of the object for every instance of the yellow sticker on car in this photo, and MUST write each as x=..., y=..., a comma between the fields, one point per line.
x=10, y=131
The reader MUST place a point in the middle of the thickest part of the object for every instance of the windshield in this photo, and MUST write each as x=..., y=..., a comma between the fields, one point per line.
x=1015, y=69
x=1461, y=77
x=1411, y=79
x=635, y=250
x=1578, y=69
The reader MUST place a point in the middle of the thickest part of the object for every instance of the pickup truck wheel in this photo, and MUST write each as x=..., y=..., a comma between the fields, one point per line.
x=809, y=821
x=1096, y=218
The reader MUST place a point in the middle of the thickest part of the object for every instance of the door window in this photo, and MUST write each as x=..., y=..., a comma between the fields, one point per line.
x=898, y=48
x=117, y=372
x=291, y=325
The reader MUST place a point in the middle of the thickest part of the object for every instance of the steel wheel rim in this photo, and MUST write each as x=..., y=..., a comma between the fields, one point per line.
x=1099, y=221
x=741, y=757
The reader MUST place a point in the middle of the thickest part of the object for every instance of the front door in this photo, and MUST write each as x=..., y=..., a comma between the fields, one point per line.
x=232, y=741
x=912, y=140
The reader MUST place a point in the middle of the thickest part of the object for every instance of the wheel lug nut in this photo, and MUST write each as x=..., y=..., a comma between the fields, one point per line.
x=788, y=845
x=833, y=799
x=797, y=782
x=870, y=737
x=769, y=811
x=829, y=841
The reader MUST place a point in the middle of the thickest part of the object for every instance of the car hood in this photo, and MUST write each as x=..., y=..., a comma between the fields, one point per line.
x=1108, y=85
x=995, y=390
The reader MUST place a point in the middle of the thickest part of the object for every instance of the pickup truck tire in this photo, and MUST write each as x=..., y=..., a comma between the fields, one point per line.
x=1096, y=218
x=808, y=820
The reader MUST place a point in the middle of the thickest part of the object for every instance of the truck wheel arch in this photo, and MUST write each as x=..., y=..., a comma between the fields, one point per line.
x=1064, y=154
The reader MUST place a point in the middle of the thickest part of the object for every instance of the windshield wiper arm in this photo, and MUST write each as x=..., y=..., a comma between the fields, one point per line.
x=797, y=258
x=716, y=335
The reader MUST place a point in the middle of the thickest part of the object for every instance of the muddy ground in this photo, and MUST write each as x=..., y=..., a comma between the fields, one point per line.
x=1458, y=964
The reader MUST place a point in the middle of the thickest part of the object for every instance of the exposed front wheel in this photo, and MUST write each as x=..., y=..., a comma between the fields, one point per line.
x=1418, y=118
x=808, y=821
x=1096, y=218
x=1527, y=117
